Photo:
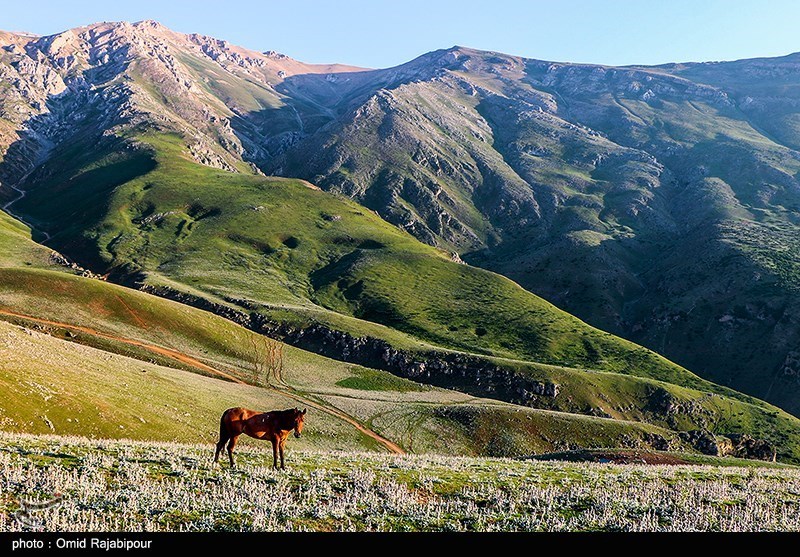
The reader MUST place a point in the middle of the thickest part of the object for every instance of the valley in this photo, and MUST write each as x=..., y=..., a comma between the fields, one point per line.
x=585, y=184
x=471, y=254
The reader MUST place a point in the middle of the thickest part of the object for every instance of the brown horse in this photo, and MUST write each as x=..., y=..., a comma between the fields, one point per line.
x=275, y=426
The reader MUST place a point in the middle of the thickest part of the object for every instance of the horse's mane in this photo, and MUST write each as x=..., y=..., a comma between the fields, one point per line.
x=285, y=412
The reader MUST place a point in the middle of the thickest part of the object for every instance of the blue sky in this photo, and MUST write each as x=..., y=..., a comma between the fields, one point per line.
x=381, y=33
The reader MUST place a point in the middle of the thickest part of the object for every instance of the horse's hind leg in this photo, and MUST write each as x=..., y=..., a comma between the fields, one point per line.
x=231, y=445
x=274, y=455
x=220, y=445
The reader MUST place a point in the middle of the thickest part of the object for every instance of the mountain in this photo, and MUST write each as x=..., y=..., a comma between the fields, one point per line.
x=655, y=203
x=658, y=203
x=82, y=356
x=144, y=154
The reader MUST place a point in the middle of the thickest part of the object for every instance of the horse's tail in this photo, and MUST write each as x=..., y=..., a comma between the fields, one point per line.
x=223, y=431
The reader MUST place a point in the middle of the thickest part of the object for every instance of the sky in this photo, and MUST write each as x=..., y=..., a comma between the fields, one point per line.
x=380, y=33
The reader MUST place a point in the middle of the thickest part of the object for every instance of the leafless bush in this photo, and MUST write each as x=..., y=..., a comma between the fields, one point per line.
x=266, y=359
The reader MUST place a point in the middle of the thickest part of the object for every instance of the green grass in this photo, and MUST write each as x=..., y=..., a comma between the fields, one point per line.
x=280, y=244
x=365, y=379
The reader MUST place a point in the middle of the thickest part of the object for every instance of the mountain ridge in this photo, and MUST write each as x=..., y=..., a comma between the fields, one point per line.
x=586, y=184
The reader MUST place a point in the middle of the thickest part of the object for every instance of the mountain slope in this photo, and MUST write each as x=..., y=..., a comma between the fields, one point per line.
x=288, y=253
x=586, y=184
x=258, y=242
x=132, y=379
x=657, y=203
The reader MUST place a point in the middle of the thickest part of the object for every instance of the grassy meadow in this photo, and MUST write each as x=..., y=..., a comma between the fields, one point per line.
x=125, y=485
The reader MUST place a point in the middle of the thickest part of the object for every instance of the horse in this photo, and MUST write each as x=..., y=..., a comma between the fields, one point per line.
x=274, y=426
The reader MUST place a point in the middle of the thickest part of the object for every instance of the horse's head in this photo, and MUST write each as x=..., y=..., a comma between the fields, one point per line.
x=298, y=421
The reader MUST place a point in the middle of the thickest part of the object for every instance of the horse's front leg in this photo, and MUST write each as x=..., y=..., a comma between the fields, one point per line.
x=231, y=446
x=283, y=443
x=275, y=454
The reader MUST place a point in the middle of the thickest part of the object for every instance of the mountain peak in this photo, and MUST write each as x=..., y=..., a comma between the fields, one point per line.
x=151, y=23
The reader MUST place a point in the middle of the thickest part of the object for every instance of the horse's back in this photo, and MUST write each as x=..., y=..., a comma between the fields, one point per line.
x=239, y=413
x=236, y=416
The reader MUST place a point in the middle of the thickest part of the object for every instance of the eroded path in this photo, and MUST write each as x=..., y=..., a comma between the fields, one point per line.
x=195, y=363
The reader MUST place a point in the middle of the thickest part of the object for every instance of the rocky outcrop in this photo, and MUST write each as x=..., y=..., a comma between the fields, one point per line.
x=466, y=373
x=227, y=312
x=703, y=441
x=57, y=258
x=658, y=442
x=745, y=446
x=662, y=402
x=98, y=77
x=734, y=444
x=463, y=372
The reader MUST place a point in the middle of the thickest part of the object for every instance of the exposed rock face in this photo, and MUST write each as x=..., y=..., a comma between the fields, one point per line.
x=738, y=445
x=110, y=77
x=60, y=259
x=744, y=446
x=659, y=442
x=663, y=403
x=703, y=441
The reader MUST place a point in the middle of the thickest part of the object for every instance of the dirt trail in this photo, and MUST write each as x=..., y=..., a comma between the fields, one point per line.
x=189, y=360
x=393, y=447
x=174, y=354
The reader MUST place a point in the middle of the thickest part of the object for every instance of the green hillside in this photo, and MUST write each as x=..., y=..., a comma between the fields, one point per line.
x=300, y=255
x=401, y=410
x=94, y=370
x=53, y=386
x=280, y=244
